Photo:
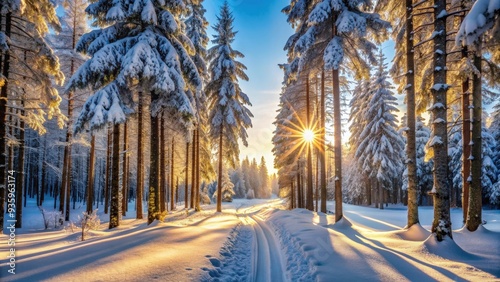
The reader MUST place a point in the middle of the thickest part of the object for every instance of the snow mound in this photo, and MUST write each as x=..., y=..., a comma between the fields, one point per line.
x=415, y=233
x=342, y=224
x=447, y=249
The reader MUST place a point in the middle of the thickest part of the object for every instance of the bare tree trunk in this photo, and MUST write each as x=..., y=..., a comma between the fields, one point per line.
x=292, y=196
x=108, y=171
x=90, y=187
x=466, y=152
x=193, y=174
x=474, y=214
x=197, y=180
x=186, y=177
x=381, y=195
x=3, y=115
x=441, y=225
x=163, y=177
x=411, y=152
x=309, y=191
x=140, y=170
x=154, y=197
x=20, y=171
x=125, y=170
x=299, y=188
x=322, y=148
x=172, y=190
x=114, y=213
x=337, y=132
x=219, y=181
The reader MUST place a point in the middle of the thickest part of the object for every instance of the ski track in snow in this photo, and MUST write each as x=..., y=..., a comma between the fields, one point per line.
x=267, y=260
x=251, y=253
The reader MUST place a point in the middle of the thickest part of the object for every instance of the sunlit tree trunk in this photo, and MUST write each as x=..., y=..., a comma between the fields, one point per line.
x=125, y=170
x=441, y=224
x=197, y=179
x=3, y=114
x=309, y=191
x=108, y=171
x=411, y=152
x=193, y=174
x=474, y=214
x=20, y=171
x=219, y=181
x=337, y=133
x=172, y=187
x=140, y=170
x=186, y=177
x=162, y=177
x=114, y=212
x=154, y=197
x=322, y=148
x=90, y=187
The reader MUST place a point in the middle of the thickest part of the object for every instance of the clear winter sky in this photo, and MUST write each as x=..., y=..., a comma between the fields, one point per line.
x=262, y=33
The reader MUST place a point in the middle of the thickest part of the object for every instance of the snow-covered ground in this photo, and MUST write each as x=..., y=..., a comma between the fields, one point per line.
x=256, y=241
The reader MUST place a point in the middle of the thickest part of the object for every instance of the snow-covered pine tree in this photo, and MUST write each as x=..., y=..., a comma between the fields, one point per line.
x=227, y=187
x=490, y=171
x=455, y=152
x=141, y=46
x=424, y=168
x=495, y=131
x=356, y=180
x=29, y=69
x=74, y=24
x=254, y=179
x=264, y=179
x=326, y=27
x=238, y=179
x=381, y=145
x=400, y=14
x=196, y=26
x=229, y=117
x=479, y=32
x=484, y=15
x=285, y=141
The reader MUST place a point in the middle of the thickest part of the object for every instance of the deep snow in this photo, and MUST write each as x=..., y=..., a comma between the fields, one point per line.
x=255, y=241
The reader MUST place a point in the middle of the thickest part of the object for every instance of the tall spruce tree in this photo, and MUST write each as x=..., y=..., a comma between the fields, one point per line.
x=144, y=48
x=400, y=14
x=479, y=32
x=29, y=69
x=326, y=27
x=197, y=32
x=381, y=145
x=229, y=117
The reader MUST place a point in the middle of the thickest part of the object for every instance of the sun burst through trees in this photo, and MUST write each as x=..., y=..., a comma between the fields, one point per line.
x=308, y=135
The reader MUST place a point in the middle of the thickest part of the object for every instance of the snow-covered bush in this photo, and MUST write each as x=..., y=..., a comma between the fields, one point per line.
x=250, y=194
x=85, y=223
x=204, y=198
x=54, y=218
x=89, y=222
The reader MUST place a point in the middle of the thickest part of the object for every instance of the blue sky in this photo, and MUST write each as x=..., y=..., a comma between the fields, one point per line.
x=262, y=33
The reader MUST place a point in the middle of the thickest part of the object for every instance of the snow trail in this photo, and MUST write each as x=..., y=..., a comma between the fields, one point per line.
x=268, y=264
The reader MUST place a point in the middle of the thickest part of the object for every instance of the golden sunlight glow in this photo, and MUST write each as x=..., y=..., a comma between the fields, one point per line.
x=308, y=135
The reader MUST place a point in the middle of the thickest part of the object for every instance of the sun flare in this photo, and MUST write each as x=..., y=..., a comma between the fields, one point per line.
x=308, y=135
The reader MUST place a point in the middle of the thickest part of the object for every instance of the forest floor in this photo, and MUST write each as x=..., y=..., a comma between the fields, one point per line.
x=256, y=240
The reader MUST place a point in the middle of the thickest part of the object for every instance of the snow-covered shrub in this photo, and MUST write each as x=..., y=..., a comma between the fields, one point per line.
x=54, y=218
x=250, y=194
x=85, y=223
x=204, y=198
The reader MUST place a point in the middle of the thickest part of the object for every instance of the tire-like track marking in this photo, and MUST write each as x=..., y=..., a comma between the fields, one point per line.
x=268, y=264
